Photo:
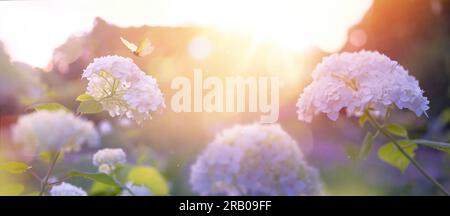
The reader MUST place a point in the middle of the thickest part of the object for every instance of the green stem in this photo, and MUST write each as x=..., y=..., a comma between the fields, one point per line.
x=44, y=183
x=400, y=148
x=432, y=144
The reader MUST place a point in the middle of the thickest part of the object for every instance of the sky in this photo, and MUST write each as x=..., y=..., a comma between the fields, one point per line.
x=30, y=30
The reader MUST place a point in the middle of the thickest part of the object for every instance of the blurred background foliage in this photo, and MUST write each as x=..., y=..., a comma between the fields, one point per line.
x=415, y=33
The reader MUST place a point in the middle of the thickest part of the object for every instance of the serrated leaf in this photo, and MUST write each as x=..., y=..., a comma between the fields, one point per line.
x=50, y=107
x=390, y=154
x=397, y=130
x=98, y=177
x=11, y=189
x=366, y=146
x=84, y=97
x=89, y=107
x=362, y=120
x=149, y=177
x=14, y=167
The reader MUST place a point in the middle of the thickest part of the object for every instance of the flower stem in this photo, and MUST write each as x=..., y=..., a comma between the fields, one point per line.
x=35, y=175
x=432, y=144
x=44, y=183
x=411, y=159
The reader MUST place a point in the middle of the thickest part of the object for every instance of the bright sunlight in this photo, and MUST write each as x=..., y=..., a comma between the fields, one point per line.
x=289, y=24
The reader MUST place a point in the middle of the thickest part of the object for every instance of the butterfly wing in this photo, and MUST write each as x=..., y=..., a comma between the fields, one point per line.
x=145, y=48
x=132, y=47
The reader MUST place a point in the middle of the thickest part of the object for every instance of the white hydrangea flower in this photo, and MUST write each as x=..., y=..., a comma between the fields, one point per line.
x=54, y=131
x=106, y=159
x=122, y=88
x=66, y=189
x=356, y=81
x=138, y=190
x=254, y=160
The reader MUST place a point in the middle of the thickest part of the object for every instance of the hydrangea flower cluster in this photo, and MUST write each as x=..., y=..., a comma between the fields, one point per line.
x=138, y=190
x=356, y=81
x=122, y=88
x=66, y=189
x=106, y=159
x=55, y=131
x=254, y=160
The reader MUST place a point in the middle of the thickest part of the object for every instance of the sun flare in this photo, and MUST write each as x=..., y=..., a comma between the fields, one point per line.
x=290, y=24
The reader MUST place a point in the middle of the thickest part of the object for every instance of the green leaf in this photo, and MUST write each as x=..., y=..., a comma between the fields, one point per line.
x=366, y=146
x=397, y=130
x=89, y=107
x=100, y=189
x=84, y=97
x=390, y=154
x=14, y=167
x=50, y=107
x=11, y=189
x=149, y=177
x=447, y=150
x=98, y=177
x=362, y=120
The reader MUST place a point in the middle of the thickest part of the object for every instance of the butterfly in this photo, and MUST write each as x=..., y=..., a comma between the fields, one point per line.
x=144, y=48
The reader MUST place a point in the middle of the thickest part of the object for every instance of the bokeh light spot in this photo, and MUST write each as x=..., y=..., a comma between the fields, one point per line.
x=199, y=48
